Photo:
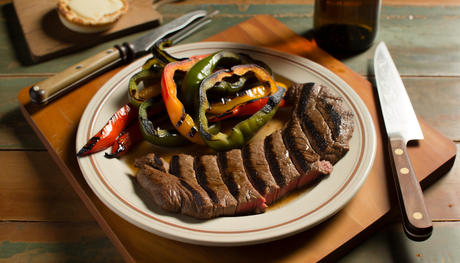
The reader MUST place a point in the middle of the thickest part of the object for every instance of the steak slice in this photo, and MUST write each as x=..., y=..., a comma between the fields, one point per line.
x=281, y=166
x=208, y=176
x=305, y=159
x=314, y=124
x=258, y=171
x=196, y=202
x=165, y=188
x=234, y=176
x=339, y=120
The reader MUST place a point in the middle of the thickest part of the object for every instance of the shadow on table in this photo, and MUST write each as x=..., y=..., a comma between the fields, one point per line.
x=16, y=35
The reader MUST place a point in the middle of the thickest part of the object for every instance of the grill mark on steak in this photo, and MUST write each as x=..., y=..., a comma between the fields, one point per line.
x=234, y=176
x=339, y=120
x=305, y=159
x=197, y=203
x=312, y=121
x=208, y=176
x=258, y=171
x=314, y=103
x=160, y=164
x=279, y=161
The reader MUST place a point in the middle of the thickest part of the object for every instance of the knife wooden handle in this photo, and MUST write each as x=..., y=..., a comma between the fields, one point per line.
x=416, y=220
x=46, y=90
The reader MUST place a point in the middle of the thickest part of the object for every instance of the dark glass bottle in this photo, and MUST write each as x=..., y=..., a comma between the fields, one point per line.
x=346, y=26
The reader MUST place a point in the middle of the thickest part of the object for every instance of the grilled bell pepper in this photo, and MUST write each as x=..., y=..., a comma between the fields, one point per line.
x=245, y=130
x=123, y=143
x=157, y=136
x=200, y=71
x=229, y=103
x=161, y=55
x=232, y=86
x=176, y=111
x=245, y=109
x=150, y=78
x=109, y=133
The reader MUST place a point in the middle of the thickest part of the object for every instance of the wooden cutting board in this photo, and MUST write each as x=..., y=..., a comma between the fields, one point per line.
x=47, y=37
x=373, y=206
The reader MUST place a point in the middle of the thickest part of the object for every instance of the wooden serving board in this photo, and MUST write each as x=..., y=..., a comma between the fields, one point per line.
x=373, y=206
x=47, y=37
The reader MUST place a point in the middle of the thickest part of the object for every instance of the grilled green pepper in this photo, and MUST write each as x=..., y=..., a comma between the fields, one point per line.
x=163, y=57
x=157, y=136
x=231, y=86
x=151, y=79
x=200, y=71
x=245, y=130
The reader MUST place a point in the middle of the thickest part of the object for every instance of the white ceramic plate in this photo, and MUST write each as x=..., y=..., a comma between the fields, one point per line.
x=114, y=181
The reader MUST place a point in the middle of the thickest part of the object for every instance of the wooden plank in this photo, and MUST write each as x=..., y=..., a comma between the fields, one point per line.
x=58, y=242
x=55, y=242
x=442, y=197
x=34, y=189
x=437, y=52
x=15, y=132
x=436, y=100
x=391, y=245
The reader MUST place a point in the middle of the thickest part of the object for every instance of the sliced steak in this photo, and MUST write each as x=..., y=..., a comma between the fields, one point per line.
x=305, y=159
x=234, y=176
x=339, y=120
x=208, y=176
x=165, y=188
x=258, y=171
x=315, y=125
x=281, y=166
x=196, y=202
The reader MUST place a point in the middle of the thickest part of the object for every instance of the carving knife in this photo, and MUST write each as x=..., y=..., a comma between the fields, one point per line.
x=74, y=76
x=402, y=126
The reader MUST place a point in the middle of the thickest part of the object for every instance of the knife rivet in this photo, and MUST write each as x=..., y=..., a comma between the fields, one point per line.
x=109, y=51
x=78, y=67
x=399, y=151
x=404, y=170
x=417, y=215
x=36, y=88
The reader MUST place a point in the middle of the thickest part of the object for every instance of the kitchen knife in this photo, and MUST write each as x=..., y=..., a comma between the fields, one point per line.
x=402, y=126
x=74, y=76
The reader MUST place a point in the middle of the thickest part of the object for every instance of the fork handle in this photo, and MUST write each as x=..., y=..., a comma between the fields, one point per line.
x=55, y=86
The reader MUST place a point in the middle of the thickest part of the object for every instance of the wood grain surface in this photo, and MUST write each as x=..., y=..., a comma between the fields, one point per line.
x=56, y=126
x=430, y=38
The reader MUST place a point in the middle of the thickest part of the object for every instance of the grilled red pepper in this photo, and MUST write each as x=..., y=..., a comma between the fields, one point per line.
x=123, y=143
x=109, y=133
x=245, y=109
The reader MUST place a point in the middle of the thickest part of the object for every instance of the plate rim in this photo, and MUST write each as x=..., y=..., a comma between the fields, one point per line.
x=206, y=240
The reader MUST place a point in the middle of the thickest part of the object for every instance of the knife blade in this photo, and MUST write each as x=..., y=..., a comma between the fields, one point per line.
x=401, y=126
x=53, y=87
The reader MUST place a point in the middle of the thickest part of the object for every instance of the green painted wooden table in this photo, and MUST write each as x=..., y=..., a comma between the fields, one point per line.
x=42, y=219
